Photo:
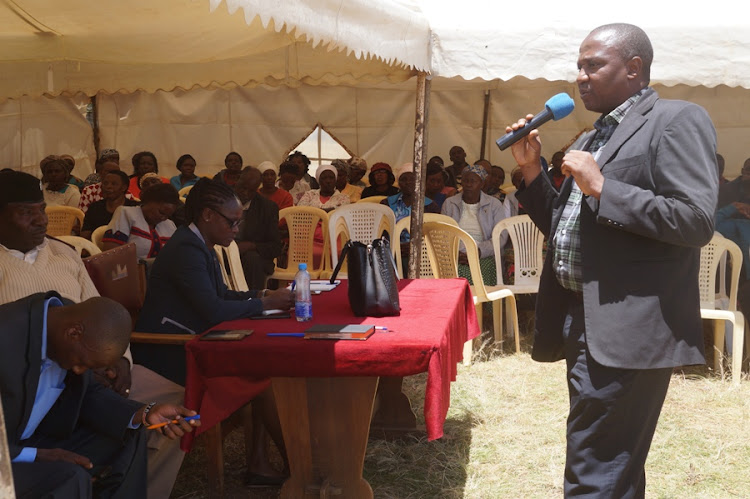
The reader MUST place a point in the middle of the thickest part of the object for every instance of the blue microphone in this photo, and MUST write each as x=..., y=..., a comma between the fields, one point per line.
x=557, y=107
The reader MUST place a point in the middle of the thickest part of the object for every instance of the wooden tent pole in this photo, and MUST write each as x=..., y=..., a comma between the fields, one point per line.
x=420, y=167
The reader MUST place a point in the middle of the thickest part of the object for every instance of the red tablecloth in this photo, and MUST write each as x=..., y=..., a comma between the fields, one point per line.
x=437, y=318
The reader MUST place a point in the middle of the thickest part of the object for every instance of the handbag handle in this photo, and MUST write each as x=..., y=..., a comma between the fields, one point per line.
x=344, y=251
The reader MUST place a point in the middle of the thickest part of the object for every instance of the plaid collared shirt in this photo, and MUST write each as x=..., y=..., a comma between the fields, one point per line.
x=566, y=242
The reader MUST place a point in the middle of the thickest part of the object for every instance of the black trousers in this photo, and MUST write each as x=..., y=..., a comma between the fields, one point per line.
x=124, y=460
x=51, y=481
x=613, y=415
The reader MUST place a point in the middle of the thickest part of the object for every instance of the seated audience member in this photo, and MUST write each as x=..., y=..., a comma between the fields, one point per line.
x=72, y=179
x=511, y=202
x=57, y=190
x=477, y=213
x=327, y=198
x=143, y=162
x=113, y=189
x=54, y=411
x=258, y=239
x=289, y=181
x=555, y=172
x=187, y=177
x=721, y=163
x=32, y=263
x=494, y=182
x=342, y=181
x=303, y=164
x=401, y=204
x=737, y=190
x=381, y=181
x=268, y=188
x=434, y=184
x=233, y=167
x=458, y=163
x=357, y=171
x=147, y=225
x=733, y=222
x=105, y=156
x=93, y=193
x=186, y=292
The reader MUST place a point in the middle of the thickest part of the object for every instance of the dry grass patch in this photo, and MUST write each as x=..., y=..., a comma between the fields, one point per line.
x=505, y=437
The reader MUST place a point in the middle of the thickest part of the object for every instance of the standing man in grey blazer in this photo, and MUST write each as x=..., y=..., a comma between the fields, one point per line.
x=619, y=296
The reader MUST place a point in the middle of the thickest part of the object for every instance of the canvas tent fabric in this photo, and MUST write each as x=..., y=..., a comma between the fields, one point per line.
x=256, y=75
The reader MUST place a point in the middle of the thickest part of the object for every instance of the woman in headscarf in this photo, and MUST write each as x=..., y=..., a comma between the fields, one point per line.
x=342, y=181
x=289, y=182
x=327, y=197
x=477, y=213
x=57, y=190
x=381, y=181
x=268, y=189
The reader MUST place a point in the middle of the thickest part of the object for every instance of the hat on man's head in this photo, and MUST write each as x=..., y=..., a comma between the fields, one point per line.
x=381, y=166
x=19, y=187
x=405, y=168
x=477, y=170
x=109, y=153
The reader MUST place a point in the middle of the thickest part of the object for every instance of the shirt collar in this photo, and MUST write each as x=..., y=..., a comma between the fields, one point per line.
x=49, y=302
x=195, y=230
x=29, y=256
x=616, y=116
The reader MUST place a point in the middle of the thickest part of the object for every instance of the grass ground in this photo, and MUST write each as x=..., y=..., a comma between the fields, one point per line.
x=505, y=437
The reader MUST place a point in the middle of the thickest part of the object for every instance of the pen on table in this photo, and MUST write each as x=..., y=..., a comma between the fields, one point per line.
x=288, y=335
x=174, y=421
x=382, y=328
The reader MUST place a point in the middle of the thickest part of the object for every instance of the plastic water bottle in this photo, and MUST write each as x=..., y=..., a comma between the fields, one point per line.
x=302, y=300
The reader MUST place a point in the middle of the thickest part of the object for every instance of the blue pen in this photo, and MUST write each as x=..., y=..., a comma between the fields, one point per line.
x=174, y=421
x=382, y=328
x=287, y=335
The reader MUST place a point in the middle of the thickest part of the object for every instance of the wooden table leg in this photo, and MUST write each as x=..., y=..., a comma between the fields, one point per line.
x=215, y=461
x=325, y=423
x=393, y=416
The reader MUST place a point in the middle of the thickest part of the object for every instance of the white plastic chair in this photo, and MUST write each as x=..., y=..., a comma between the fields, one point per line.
x=81, y=244
x=363, y=222
x=98, y=235
x=184, y=192
x=301, y=221
x=234, y=276
x=528, y=243
x=443, y=241
x=721, y=307
x=62, y=220
x=425, y=269
x=371, y=199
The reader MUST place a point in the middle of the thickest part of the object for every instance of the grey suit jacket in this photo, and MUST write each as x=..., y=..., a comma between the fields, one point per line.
x=640, y=242
x=83, y=401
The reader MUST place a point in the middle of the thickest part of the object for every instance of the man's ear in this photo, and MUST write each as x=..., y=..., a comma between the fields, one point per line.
x=634, y=67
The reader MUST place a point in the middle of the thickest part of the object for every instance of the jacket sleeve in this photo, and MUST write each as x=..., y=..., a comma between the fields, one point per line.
x=538, y=199
x=680, y=207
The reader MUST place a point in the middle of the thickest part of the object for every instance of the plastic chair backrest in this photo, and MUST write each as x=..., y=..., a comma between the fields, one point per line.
x=62, y=219
x=184, y=192
x=372, y=199
x=98, y=235
x=363, y=222
x=425, y=269
x=301, y=221
x=443, y=241
x=234, y=276
x=712, y=259
x=528, y=243
x=81, y=244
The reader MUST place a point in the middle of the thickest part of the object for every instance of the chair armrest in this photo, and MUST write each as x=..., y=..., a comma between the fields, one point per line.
x=161, y=338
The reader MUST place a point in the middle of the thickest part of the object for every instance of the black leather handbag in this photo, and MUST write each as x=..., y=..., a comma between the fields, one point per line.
x=373, y=291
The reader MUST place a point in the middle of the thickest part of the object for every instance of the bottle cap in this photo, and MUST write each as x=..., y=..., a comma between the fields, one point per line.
x=302, y=266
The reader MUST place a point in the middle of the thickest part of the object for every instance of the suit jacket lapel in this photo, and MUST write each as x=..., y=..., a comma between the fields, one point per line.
x=33, y=359
x=634, y=119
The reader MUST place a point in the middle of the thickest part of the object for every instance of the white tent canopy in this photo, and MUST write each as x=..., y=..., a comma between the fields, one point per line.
x=206, y=77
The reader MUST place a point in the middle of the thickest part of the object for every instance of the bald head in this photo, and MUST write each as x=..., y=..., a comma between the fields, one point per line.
x=88, y=335
x=248, y=184
x=630, y=41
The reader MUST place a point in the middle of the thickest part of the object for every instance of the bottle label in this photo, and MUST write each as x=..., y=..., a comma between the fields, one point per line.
x=303, y=311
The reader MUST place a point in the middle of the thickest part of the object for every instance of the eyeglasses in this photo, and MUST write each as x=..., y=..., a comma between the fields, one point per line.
x=233, y=224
